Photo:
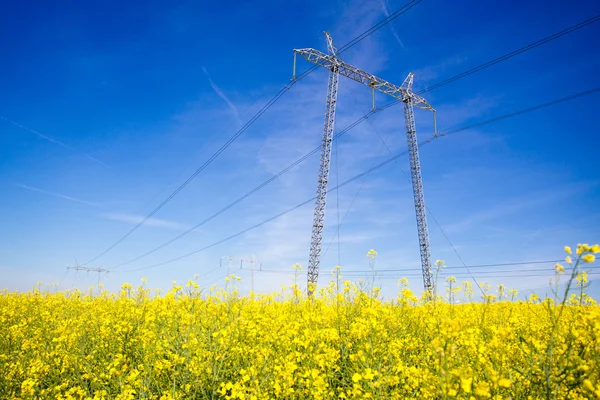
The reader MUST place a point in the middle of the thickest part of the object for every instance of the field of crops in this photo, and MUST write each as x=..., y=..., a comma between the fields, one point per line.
x=343, y=343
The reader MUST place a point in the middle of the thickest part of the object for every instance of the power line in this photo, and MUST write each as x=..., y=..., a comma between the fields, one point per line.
x=368, y=171
x=254, y=118
x=199, y=170
x=379, y=25
x=483, y=275
x=426, y=207
x=446, y=268
x=314, y=151
x=281, y=92
x=237, y=201
x=55, y=141
x=360, y=120
x=543, y=230
x=429, y=211
x=504, y=57
x=367, y=33
x=221, y=211
x=339, y=224
x=461, y=276
x=337, y=232
x=234, y=122
x=62, y=278
x=336, y=67
x=443, y=273
x=226, y=239
x=516, y=52
x=211, y=271
x=527, y=110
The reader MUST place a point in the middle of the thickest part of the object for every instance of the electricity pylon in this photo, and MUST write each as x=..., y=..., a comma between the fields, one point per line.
x=98, y=270
x=404, y=93
x=251, y=260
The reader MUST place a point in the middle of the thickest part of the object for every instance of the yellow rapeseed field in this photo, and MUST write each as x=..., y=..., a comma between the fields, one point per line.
x=345, y=342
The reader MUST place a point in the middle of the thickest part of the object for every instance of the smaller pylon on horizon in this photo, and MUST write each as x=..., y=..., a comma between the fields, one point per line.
x=251, y=260
x=88, y=269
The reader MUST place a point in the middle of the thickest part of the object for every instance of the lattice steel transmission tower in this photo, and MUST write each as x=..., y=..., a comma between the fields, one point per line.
x=314, y=258
x=404, y=93
x=251, y=260
x=97, y=270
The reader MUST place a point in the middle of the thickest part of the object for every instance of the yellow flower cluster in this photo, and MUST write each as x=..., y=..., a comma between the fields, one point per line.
x=342, y=343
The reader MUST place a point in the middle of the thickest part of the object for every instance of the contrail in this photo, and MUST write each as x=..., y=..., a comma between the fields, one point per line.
x=222, y=96
x=61, y=196
x=52, y=140
x=387, y=14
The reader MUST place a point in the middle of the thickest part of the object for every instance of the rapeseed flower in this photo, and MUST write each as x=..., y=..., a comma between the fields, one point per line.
x=337, y=344
x=589, y=258
x=568, y=250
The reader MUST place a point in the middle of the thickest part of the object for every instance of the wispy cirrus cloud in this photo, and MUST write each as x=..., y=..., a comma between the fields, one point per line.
x=55, y=141
x=220, y=93
x=60, y=196
x=518, y=205
x=136, y=219
x=432, y=72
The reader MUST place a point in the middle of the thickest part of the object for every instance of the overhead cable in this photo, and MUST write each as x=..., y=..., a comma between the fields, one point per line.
x=378, y=166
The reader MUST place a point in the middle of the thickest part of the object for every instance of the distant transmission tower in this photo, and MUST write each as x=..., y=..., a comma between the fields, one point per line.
x=337, y=66
x=98, y=270
x=252, y=260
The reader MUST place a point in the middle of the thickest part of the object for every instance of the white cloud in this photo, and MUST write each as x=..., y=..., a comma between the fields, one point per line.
x=515, y=205
x=435, y=71
x=296, y=127
x=136, y=219
x=460, y=111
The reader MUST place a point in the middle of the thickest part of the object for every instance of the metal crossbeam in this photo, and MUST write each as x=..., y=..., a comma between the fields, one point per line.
x=337, y=66
x=87, y=269
x=78, y=268
x=251, y=260
x=360, y=76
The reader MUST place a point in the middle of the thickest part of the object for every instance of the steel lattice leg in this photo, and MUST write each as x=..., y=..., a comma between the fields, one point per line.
x=419, y=197
x=319, y=215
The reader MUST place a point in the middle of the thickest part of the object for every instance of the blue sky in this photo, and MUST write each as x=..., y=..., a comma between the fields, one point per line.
x=107, y=108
